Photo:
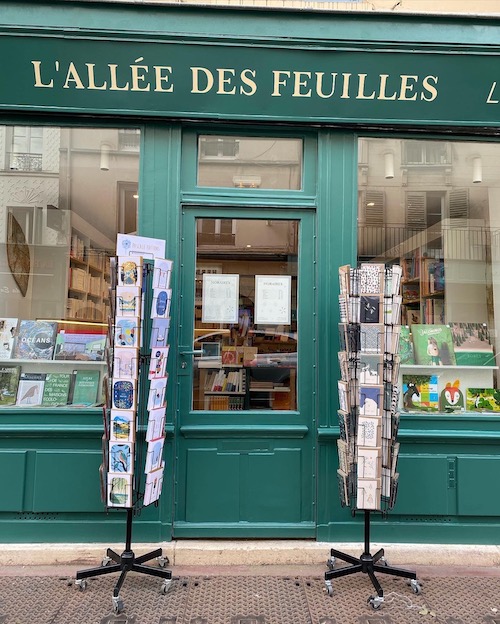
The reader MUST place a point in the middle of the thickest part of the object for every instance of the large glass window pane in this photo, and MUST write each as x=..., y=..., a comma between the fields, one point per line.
x=250, y=162
x=245, y=315
x=64, y=195
x=433, y=207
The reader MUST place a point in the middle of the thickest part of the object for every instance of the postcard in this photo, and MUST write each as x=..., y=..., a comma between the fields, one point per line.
x=159, y=332
x=122, y=426
x=124, y=394
x=156, y=424
x=368, y=432
x=128, y=301
x=371, y=278
x=126, y=362
x=162, y=299
x=158, y=362
x=119, y=490
x=129, y=271
x=368, y=463
x=127, y=332
x=154, y=455
x=157, y=393
x=121, y=457
x=368, y=494
x=162, y=272
x=153, y=487
x=370, y=400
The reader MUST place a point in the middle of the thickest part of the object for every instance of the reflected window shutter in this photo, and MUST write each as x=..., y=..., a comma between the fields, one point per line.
x=374, y=207
x=459, y=206
x=416, y=210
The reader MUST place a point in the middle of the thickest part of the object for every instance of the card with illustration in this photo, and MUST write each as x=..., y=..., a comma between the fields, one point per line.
x=157, y=390
x=371, y=278
x=343, y=487
x=368, y=493
x=370, y=369
x=433, y=345
x=126, y=362
x=128, y=301
x=162, y=272
x=158, y=362
x=392, y=310
x=119, y=490
x=124, y=394
x=370, y=400
x=121, y=457
x=371, y=309
x=160, y=306
x=344, y=396
x=343, y=456
x=368, y=463
x=371, y=338
x=369, y=431
x=154, y=455
x=483, y=399
x=127, y=332
x=122, y=426
x=156, y=424
x=129, y=271
x=153, y=487
x=159, y=332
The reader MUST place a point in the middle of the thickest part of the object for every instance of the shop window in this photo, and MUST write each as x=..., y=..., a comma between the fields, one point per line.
x=58, y=227
x=249, y=162
x=439, y=221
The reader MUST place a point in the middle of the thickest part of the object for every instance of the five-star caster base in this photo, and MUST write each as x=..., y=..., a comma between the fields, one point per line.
x=367, y=564
x=124, y=563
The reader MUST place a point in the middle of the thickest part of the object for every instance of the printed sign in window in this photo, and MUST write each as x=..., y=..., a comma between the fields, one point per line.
x=220, y=298
x=273, y=299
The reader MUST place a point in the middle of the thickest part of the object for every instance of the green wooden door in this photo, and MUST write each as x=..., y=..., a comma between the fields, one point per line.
x=245, y=413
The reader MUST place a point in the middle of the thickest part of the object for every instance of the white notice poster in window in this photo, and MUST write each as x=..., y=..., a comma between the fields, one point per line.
x=220, y=298
x=273, y=299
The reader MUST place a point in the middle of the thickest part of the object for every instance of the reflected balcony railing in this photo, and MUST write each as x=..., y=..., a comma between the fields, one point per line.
x=19, y=161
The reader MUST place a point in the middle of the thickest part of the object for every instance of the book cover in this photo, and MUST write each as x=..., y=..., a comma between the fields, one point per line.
x=451, y=398
x=8, y=329
x=472, y=344
x=406, y=346
x=483, y=399
x=433, y=345
x=35, y=340
x=80, y=346
x=9, y=382
x=420, y=393
x=56, y=389
x=122, y=426
x=85, y=387
x=30, y=389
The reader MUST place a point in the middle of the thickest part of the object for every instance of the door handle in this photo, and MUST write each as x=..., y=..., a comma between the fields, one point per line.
x=195, y=352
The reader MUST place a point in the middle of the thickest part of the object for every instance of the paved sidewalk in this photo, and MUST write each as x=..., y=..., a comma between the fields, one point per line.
x=238, y=594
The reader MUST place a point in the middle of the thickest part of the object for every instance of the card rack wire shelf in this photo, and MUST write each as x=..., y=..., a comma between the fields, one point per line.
x=369, y=330
x=128, y=561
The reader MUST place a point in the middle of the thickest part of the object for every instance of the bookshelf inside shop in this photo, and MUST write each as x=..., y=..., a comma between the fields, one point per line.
x=88, y=279
x=423, y=288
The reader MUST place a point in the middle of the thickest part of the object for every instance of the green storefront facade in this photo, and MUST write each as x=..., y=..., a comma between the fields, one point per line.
x=196, y=85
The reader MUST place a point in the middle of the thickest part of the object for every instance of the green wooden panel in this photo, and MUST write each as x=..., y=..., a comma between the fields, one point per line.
x=67, y=481
x=272, y=490
x=213, y=492
x=423, y=486
x=13, y=469
x=476, y=475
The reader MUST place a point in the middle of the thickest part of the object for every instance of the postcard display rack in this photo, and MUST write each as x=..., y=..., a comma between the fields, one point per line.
x=369, y=330
x=132, y=470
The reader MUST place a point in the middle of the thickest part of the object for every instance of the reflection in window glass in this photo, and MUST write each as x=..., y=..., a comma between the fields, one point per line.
x=248, y=340
x=244, y=162
x=65, y=193
x=433, y=208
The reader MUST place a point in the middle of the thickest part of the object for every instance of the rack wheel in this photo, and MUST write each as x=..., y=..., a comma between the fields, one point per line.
x=383, y=561
x=329, y=588
x=117, y=604
x=163, y=561
x=105, y=561
x=330, y=563
x=81, y=584
x=166, y=586
x=415, y=586
x=375, y=602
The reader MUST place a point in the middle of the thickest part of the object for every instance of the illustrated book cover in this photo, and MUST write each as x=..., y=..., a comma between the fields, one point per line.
x=30, y=389
x=472, y=344
x=9, y=382
x=78, y=346
x=483, y=399
x=420, y=393
x=35, y=340
x=433, y=345
x=8, y=329
x=56, y=389
x=406, y=346
x=451, y=399
x=85, y=387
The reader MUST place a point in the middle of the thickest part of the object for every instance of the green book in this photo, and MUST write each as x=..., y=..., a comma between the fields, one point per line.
x=56, y=389
x=85, y=387
x=9, y=381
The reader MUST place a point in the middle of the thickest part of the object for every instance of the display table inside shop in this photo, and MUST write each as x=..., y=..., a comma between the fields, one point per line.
x=264, y=386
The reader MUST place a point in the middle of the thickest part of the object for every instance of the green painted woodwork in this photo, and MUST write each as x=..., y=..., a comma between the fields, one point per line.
x=13, y=464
